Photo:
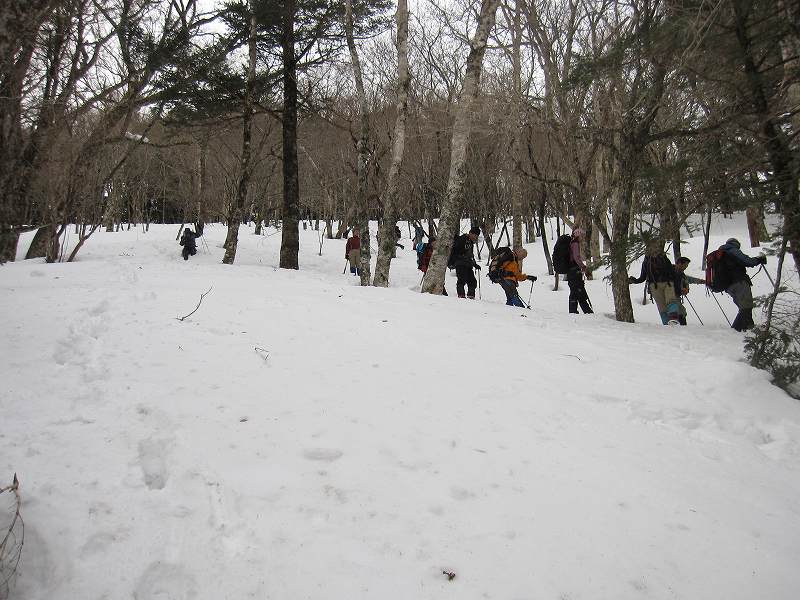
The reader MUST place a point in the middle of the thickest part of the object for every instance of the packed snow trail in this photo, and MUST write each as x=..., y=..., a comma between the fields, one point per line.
x=302, y=437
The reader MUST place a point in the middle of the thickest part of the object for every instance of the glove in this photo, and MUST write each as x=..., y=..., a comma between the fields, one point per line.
x=762, y=259
x=532, y=277
x=631, y=279
x=476, y=266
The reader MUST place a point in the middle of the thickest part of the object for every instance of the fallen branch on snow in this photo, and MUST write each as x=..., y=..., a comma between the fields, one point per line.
x=13, y=538
x=198, y=305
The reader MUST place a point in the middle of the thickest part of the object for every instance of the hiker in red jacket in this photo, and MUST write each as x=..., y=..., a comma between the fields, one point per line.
x=352, y=252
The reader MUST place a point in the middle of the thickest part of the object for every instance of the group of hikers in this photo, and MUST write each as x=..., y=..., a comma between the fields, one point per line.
x=667, y=283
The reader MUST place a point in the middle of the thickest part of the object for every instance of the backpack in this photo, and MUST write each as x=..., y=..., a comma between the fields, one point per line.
x=661, y=269
x=562, y=260
x=718, y=272
x=500, y=257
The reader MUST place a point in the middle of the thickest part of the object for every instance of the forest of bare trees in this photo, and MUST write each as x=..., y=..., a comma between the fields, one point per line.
x=615, y=116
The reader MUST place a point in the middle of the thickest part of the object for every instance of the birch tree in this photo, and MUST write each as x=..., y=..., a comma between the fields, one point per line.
x=237, y=208
x=390, y=198
x=362, y=146
x=433, y=282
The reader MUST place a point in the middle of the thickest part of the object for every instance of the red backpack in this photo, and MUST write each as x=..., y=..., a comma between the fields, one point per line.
x=718, y=272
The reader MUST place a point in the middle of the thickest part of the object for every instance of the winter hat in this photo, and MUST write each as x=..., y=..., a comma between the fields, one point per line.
x=683, y=259
x=734, y=242
x=475, y=230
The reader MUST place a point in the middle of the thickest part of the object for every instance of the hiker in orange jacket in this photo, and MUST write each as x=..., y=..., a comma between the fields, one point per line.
x=512, y=275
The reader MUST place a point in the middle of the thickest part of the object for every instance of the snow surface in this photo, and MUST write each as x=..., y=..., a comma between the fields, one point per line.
x=302, y=437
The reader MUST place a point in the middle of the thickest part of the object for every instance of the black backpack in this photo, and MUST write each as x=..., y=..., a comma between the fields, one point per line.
x=500, y=257
x=719, y=275
x=561, y=256
x=661, y=269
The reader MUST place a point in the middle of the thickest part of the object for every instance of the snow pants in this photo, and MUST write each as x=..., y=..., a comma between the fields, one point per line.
x=577, y=292
x=663, y=293
x=743, y=298
x=466, y=276
x=355, y=261
x=512, y=293
x=188, y=251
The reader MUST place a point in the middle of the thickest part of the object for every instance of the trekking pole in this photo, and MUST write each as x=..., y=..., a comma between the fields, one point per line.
x=772, y=281
x=480, y=297
x=722, y=309
x=530, y=295
x=346, y=262
x=695, y=311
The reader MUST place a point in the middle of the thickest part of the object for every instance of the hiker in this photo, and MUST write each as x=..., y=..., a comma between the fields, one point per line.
x=734, y=263
x=352, y=252
x=510, y=272
x=659, y=273
x=188, y=242
x=424, y=254
x=577, y=269
x=463, y=261
x=681, y=284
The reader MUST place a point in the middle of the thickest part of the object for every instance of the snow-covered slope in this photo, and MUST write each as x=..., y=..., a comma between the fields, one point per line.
x=302, y=437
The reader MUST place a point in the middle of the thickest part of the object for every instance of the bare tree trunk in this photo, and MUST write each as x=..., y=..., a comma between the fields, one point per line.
x=753, y=213
x=623, y=201
x=516, y=115
x=290, y=219
x=41, y=241
x=433, y=282
x=363, y=148
x=387, y=245
x=235, y=219
x=545, y=248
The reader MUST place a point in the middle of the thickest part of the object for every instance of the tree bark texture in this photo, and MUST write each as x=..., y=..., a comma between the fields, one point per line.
x=433, y=282
x=290, y=219
x=363, y=149
x=516, y=126
x=390, y=199
x=232, y=239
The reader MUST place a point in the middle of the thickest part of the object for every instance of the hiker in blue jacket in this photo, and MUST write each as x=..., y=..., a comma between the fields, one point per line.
x=736, y=263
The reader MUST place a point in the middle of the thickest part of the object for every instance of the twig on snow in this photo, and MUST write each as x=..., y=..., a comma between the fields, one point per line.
x=262, y=353
x=198, y=305
x=450, y=575
x=14, y=538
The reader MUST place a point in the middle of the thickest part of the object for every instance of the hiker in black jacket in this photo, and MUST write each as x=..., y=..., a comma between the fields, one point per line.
x=735, y=263
x=188, y=242
x=659, y=273
x=463, y=260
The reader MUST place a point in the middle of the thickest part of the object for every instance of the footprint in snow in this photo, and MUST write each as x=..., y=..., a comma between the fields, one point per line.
x=323, y=454
x=152, y=453
x=165, y=581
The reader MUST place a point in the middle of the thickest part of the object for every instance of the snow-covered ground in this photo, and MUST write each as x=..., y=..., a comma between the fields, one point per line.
x=302, y=437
